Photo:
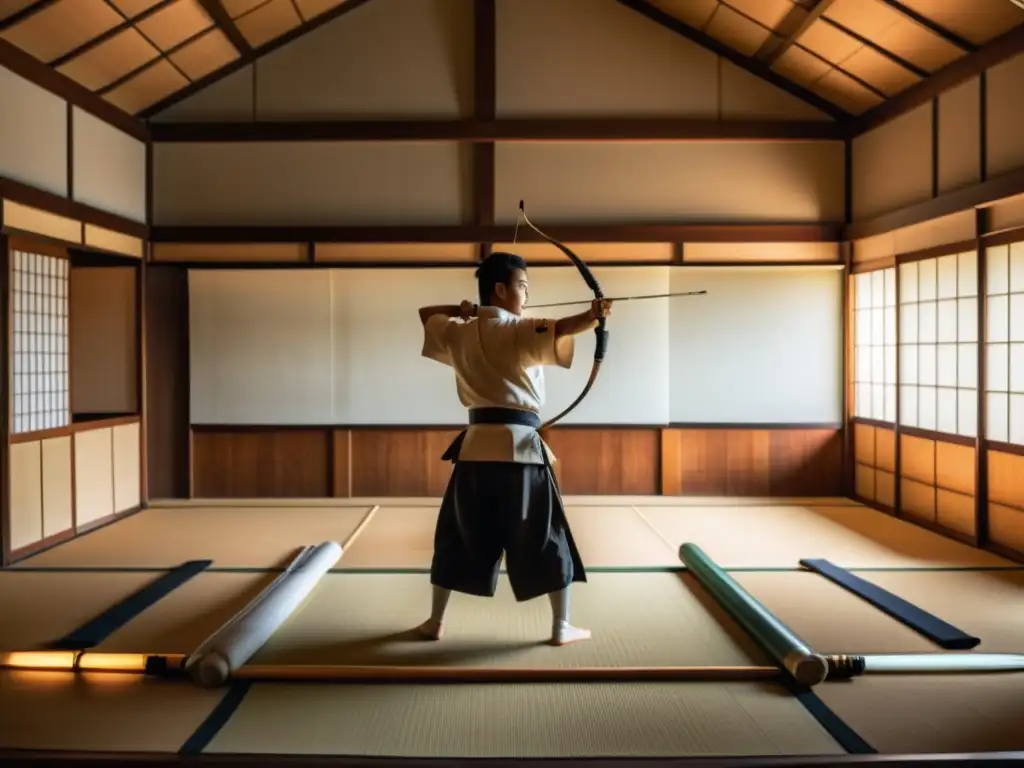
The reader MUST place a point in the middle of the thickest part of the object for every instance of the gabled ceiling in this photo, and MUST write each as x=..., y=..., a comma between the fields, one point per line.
x=855, y=54
x=139, y=53
x=849, y=56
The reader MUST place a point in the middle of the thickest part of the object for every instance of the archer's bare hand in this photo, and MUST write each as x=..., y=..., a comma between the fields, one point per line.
x=600, y=308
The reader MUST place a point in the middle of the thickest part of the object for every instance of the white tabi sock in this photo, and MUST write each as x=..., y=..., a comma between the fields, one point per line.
x=562, y=632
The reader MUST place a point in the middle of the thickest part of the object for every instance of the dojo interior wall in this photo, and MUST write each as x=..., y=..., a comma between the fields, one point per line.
x=955, y=471
x=368, y=440
x=73, y=212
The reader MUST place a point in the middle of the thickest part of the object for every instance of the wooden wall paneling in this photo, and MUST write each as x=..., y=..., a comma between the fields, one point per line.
x=671, y=462
x=399, y=461
x=1006, y=501
x=167, y=381
x=885, y=467
x=917, y=478
x=864, y=461
x=955, y=487
x=234, y=462
x=805, y=462
x=751, y=461
x=341, y=463
x=103, y=340
x=607, y=460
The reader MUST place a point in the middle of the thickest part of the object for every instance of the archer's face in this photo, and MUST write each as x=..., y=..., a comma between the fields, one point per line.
x=515, y=295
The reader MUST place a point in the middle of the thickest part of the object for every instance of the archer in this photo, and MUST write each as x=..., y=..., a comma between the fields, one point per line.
x=502, y=496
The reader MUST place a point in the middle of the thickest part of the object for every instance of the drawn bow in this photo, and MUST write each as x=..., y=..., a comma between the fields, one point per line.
x=601, y=345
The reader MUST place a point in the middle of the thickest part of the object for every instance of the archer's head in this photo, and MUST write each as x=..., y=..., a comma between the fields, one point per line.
x=503, y=283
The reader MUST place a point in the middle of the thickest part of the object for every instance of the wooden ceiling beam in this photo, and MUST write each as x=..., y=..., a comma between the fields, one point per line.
x=1004, y=47
x=509, y=130
x=814, y=232
x=978, y=195
x=216, y=11
x=757, y=68
x=25, y=13
x=892, y=57
x=964, y=45
x=801, y=18
x=248, y=58
x=125, y=25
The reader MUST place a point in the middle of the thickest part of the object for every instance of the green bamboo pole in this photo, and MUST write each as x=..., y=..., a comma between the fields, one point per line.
x=793, y=654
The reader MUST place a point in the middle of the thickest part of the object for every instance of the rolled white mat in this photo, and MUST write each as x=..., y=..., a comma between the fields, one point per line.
x=908, y=663
x=241, y=637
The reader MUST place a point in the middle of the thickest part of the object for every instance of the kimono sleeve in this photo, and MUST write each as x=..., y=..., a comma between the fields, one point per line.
x=539, y=345
x=436, y=339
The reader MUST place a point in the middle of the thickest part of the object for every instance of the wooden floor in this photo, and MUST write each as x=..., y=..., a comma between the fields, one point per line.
x=644, y=609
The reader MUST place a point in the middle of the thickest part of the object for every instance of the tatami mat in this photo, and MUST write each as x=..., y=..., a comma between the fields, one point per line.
x=780, y=536
x=99, y=712
x=39, y=608
x=396, y=537
x=189, y=615
x=233, y=537
x=986, y=604
x=910, y=714
x=607, y=536
x=565, y=720
x=638, y=619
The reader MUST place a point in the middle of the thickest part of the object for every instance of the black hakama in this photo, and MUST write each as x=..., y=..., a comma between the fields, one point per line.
x=491, y=508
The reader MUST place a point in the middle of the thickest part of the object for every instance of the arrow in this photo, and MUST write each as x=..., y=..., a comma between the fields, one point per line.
x=619, y=298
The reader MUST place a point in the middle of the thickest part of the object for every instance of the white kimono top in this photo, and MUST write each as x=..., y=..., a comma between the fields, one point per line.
x=498, y=360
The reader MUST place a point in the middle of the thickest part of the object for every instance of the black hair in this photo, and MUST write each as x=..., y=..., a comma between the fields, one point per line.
x=496, y=270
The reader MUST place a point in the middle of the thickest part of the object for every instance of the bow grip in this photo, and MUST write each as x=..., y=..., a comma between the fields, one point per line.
x=602, y=341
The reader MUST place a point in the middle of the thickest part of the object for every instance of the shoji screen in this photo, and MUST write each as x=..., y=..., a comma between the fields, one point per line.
x=39, y=292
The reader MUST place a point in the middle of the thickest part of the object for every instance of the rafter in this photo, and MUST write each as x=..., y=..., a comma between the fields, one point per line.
x=964, y=45
x=1004, y=47
x=215, y=10
x=898, y=60
x=808, y=16
x=132, y=23
x=248, y=58
x=97, y=41
x=757, y=68
x=25, y=13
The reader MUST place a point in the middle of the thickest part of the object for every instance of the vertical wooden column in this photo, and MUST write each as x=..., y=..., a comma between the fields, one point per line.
x=981, y=538
x=5, y=331
x=142, y=335
x=140, y=377
x=897, y=491
x=848, y=366
x=981, y=226
x=484, y=108
x=5, y=399
x=849, y=298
